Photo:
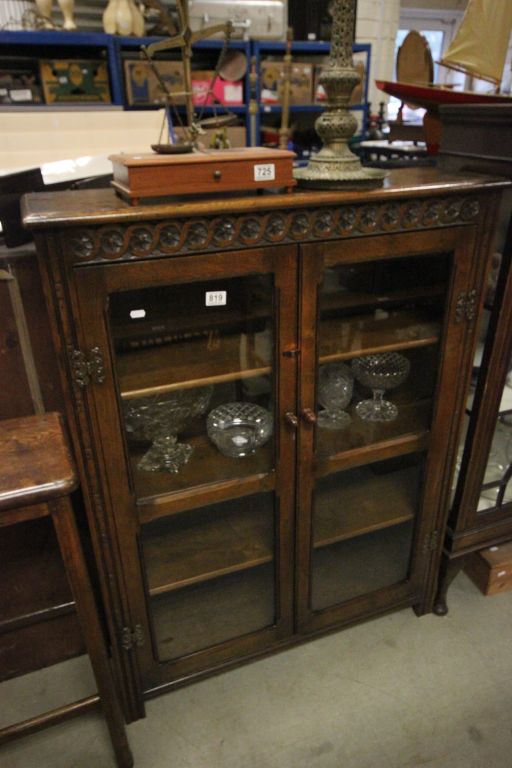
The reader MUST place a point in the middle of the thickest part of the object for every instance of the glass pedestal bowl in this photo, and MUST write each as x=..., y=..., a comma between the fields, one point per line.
x=239, y=429
x=335, y=387
x=380, y=372
x=159, y=418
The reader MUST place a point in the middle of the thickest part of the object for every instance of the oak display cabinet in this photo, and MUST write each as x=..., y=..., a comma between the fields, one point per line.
x=163, y=313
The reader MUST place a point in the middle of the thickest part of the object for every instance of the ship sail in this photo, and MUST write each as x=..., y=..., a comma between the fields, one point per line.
x=479, y=47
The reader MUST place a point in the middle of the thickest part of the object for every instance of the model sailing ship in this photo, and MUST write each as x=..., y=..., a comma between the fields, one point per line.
x=479, y=49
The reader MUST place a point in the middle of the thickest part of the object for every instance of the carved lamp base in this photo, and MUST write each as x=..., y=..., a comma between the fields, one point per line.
x=323, y=172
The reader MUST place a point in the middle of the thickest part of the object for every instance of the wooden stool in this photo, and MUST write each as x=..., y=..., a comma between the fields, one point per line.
x=37, y=475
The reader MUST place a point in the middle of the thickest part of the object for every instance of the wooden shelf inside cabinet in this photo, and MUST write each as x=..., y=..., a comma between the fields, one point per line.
x=341, y=300
x=347, y=337
x=185, y=364
x=206, y=550
x=208, y=476
x=364, y=502
x=364, y=441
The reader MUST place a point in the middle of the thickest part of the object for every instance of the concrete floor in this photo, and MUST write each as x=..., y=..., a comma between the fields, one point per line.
x=397, y=692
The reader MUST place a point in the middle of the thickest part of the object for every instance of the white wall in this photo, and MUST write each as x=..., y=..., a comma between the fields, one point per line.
x=377, y=23
x=32, y=138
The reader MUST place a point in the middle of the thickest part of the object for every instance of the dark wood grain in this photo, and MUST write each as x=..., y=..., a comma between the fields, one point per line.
x=94, y=250
x=46, y=210
x=35, y=461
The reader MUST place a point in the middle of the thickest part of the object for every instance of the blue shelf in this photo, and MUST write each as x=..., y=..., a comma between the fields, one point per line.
x=56, y=43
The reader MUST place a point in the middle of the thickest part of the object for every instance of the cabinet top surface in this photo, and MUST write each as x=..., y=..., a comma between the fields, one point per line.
x=70, y=208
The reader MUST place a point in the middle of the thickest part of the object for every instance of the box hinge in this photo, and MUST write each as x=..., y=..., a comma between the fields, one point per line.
x=87, y=369
x=132, y=638
x=430, y=542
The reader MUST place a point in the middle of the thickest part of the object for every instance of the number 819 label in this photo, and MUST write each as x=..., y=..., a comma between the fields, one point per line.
x=265, y=172
x=216, y=298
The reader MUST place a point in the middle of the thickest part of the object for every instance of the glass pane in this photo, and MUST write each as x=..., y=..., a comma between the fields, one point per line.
x=194, y=366
x=496, y=488
x=210, y=574
x=363, y=521
x=378, y=350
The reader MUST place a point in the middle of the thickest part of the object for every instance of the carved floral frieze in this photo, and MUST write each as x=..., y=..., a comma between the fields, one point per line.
x=244, y=230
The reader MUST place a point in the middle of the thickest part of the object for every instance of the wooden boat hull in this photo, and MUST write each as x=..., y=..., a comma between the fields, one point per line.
x=430, y=97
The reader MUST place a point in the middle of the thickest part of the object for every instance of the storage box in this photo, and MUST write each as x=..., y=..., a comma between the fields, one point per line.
x=74, y=80
x=272, y=77
x=491, y=569
x=228, y=92
x=142, y=85
x=139, y=177
x=18, y=85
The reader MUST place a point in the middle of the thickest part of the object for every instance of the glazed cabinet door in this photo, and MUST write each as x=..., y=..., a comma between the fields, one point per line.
x=382, y=340
x=198, y=459
x=482, y=503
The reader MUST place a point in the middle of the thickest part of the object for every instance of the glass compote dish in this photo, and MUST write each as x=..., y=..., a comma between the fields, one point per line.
x=239, y=429
x=380, y=372
x=160, y=418
x=335, y=387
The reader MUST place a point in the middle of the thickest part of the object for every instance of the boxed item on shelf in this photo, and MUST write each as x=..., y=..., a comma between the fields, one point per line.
x=143, y=87
x=272, y=77
x=491, y=569
x=19, y=87
x=229, y=92
x=74, y=80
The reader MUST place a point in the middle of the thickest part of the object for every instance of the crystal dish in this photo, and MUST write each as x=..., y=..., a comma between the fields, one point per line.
x=239, y=429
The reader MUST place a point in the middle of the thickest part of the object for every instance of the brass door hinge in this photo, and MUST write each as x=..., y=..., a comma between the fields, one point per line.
x=465, y=308
x=132, y=638
x=86, y=369
x=430, y=542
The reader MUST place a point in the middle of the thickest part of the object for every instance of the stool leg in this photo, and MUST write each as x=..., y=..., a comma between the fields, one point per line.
x=76, y=569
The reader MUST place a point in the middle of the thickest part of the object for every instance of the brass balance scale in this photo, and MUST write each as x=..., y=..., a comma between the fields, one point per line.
x=195, y=125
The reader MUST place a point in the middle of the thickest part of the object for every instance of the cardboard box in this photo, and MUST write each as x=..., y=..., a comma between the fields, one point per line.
x=491, y=569
x=228, y=92
x=68, y=81
x=19, y=86
x=271, y=82
x=142, y=85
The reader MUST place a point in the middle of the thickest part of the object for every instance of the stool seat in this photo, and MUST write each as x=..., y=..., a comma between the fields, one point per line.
x=37, y=474
x=35, y=462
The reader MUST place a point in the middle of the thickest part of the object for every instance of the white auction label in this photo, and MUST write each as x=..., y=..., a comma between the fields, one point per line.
x=216, y=298
x=266, y=172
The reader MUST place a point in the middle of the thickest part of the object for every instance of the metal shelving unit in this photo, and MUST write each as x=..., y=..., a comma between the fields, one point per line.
x=114, y=49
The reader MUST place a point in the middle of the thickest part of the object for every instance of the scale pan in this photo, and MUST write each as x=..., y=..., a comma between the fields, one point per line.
x=218, y=121
x=234, y=65
x=172, y=149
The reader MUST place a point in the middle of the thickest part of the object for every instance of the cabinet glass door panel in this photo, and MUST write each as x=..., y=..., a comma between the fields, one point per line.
x=496, y=487
x=362, y=528
x=378, y=350
x=194, y=365
x=210, y=574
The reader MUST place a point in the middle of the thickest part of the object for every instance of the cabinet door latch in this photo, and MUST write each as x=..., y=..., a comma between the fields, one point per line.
x=465, y=308
x=86, y=369
x=430, y=542
x=132, y=638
